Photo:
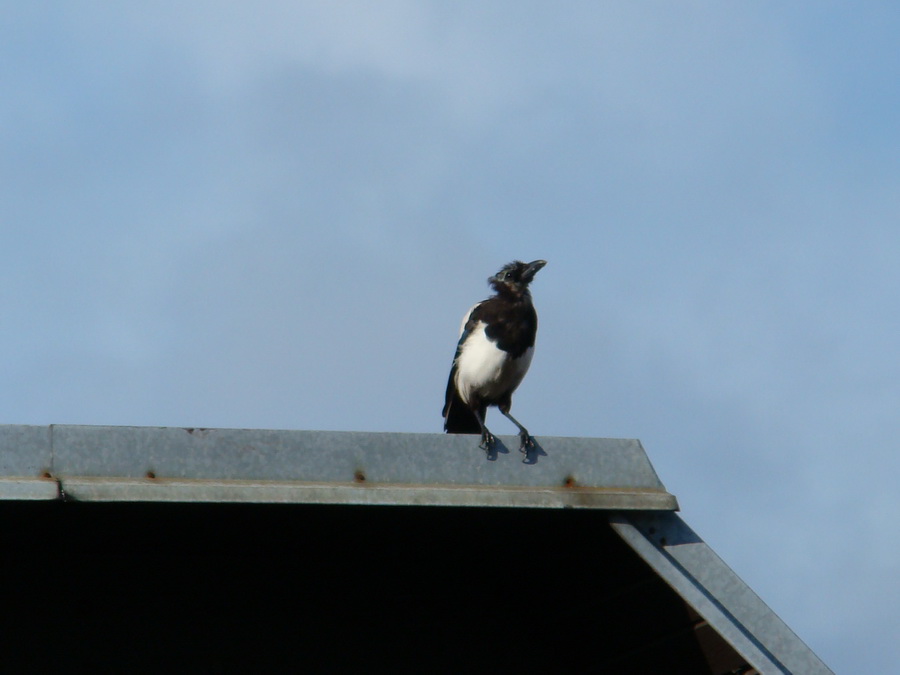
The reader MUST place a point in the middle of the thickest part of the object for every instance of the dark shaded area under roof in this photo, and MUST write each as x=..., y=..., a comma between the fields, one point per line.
x=150, y=587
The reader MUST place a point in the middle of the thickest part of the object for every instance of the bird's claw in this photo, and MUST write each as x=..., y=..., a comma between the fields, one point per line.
x=527, y=442
x=487, y=441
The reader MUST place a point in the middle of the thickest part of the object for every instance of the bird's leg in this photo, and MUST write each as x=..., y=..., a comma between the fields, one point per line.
x=487, y=438
x=524, y=436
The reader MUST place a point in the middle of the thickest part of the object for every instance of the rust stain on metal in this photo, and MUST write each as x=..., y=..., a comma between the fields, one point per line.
x=151, y=475
x=60, y=490
x=569, y=482
x=359, y=476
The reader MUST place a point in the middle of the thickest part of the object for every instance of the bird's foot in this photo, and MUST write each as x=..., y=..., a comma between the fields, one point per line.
x=527, y=441
x=487, y=441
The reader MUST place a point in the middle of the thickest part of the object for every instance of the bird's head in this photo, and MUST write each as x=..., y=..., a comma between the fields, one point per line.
x=514, y=277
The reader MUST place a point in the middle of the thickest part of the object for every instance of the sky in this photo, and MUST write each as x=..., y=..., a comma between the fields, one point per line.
x=274, y=214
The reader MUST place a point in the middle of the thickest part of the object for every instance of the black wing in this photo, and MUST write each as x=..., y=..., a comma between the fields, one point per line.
x=458, y=416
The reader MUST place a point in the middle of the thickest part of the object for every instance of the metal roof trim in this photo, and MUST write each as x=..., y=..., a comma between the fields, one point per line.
x=123, y=490
x=703, y=580
x=190, y=464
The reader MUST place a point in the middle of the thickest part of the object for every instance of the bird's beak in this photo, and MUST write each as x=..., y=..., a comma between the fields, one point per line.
x=532, y=269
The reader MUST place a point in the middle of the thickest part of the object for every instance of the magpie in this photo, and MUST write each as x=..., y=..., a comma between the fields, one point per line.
x=495, y=347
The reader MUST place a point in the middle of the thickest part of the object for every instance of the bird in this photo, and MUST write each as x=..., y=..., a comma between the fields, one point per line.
x=494, y=351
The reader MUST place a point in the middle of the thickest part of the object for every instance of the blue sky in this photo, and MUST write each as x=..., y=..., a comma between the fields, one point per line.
x=274, y=214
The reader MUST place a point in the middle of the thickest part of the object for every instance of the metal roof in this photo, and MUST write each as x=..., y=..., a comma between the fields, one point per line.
x=612, y=477
x=93, y=463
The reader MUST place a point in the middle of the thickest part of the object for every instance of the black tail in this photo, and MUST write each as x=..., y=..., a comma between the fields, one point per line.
x=458, y=417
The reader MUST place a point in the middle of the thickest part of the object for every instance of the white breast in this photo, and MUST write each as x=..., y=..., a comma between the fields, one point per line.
x=484, y=369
